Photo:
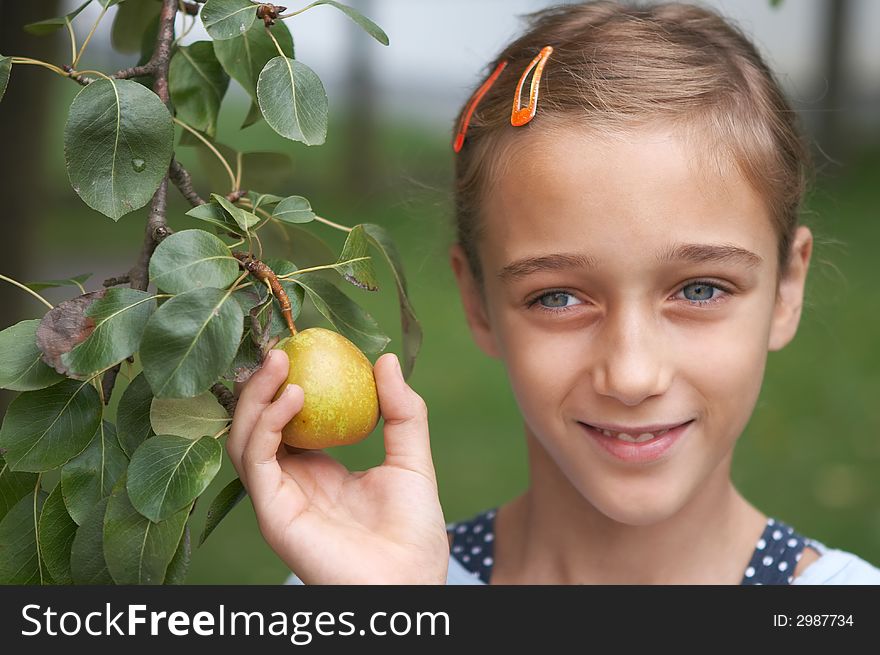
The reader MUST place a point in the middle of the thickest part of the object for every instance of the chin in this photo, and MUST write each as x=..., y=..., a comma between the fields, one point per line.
x=631, y=507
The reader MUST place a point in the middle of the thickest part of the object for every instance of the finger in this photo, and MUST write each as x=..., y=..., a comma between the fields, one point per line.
x=260, y=456
x=405, y=415
x=256, y=395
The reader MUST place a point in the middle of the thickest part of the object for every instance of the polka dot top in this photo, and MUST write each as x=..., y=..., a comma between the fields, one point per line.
x=773, y=561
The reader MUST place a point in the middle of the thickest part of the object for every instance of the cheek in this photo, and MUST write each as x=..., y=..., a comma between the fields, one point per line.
x=724, y=361
x=542, y=366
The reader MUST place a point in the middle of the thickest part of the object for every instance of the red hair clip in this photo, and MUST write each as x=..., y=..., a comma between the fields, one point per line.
x=521, y=115
x=472, y=105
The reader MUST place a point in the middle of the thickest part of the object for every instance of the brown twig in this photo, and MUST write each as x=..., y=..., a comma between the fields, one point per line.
x=183, y=181
x=235, y=196
x=116, y=281
x=134, y=71
x=265, y=274
x=225, y=397
x=85, y=80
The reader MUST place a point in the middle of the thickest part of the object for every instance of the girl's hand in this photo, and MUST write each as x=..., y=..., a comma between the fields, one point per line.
x=330, y=525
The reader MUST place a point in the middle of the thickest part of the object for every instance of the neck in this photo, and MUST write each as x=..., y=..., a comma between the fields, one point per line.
x=553, y=535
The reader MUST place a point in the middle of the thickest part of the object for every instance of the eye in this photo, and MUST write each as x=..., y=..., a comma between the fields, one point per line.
x=557, y=301
x=703, y=292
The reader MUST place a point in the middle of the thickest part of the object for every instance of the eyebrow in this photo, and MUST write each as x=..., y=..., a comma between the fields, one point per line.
x=696, y=253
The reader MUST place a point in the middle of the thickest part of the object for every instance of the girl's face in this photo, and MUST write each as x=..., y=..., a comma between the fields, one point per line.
x=625, y=286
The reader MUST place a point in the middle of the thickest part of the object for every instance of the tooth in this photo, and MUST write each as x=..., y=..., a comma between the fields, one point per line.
x=647, y=436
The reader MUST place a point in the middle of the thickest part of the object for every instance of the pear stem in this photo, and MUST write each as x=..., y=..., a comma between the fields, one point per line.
x=265, y=274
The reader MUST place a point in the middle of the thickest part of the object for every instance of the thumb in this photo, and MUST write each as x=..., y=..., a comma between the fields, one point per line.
x=405, y=417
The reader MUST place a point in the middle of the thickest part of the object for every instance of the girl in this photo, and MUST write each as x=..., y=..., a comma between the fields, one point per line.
x=628, y=245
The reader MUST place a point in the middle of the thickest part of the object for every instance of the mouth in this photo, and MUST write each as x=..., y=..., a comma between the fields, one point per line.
x=636, y=435
x=637, y=448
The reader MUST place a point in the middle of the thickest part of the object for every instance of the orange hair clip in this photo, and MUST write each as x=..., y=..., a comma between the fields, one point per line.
x=472, y=105
x=521, y=115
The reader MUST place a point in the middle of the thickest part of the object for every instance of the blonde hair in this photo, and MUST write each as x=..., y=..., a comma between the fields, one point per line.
x=617, y=67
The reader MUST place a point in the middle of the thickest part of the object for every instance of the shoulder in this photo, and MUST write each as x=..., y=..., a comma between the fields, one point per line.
x=838, y=567
x=471, y=548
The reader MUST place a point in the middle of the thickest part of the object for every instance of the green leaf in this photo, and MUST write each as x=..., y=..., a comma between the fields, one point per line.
x=75, y=281
x=5, y=69
x=293, y=101
x=360, y=273
x=263, y=199
x=128, y=26
x=243, y=218
x=344, y=314
x=44, y=429
x=21, y=362
x=192, y=259
x=19, y=557
x=118, y=142
x=49, y=25
x=168, y=472
x=57, y=531
x=133, y=415
x=87, y=563
x=90, y=476
x=248, y=359
x=13, y=487
x=197, y=84
x=118, y=318
x=411, y=330
x=179, y=565
x=190, y=341
x=137, y=550
x=188, y=417
x=222, y=504
x=213, y=213
x=227, y=19
x=294, y=209
x=245, y=56
x=368, y=26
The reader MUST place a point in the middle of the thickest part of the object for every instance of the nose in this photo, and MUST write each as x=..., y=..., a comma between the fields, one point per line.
x=632, y=361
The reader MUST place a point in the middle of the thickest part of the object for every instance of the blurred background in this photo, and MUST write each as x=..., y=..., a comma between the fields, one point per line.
x=810, y=455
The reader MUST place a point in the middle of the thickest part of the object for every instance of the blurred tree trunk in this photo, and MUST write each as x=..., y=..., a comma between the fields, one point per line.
x=360, y=133
x=22, y=117
x=833, y=72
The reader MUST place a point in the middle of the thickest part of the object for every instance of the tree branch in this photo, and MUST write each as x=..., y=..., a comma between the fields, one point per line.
x=182, y=180
x=115, y=281
x=85, y=80
x=134, y=71
x=225, y=397
x=157, y=228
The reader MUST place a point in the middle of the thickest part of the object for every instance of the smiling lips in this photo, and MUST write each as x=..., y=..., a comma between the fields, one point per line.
x=642, y=447
x=635, y=435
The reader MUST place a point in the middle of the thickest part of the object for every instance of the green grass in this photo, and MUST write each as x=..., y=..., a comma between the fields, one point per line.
x=809, y=455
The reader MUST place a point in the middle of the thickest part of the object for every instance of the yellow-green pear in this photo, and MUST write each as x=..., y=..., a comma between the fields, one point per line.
x=341, y=405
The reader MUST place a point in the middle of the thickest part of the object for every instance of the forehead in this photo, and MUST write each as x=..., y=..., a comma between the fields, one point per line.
x=621, y=200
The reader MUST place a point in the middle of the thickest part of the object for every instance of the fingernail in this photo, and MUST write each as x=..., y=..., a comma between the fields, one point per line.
x=289, y=389
x=397, y=364
x=268, y=357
